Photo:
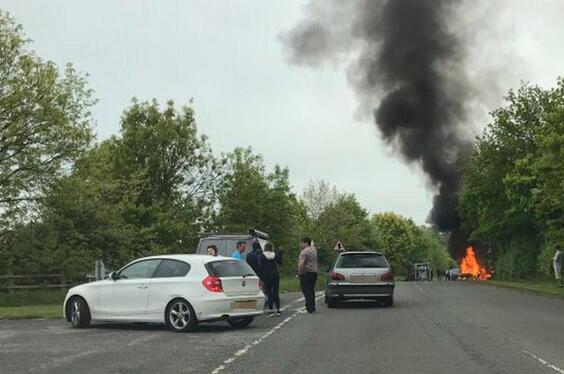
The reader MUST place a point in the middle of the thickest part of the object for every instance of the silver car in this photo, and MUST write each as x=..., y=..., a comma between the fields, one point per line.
x=362, y=275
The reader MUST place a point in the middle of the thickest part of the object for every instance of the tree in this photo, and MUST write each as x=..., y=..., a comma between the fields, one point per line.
x=511, y=198
x=317, y=196
x=45, y=122
x=252, y=198
x=345, y=220
x=394, y=236
x=150, y=191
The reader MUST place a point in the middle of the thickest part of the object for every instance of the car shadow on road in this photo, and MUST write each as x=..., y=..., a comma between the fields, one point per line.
x=360, y=305
x=217, y=327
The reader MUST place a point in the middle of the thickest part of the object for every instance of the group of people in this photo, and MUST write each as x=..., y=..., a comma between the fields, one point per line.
x=266, y=264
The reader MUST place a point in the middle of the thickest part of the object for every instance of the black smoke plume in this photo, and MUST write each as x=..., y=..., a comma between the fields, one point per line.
x=405, y=62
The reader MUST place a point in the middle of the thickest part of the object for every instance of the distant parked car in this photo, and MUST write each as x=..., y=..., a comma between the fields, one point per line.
x=360, y=276
x=227, y=243
x=178, y=290
x=453, y=274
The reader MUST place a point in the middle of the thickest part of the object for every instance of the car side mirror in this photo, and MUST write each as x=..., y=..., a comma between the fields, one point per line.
x=113, y=276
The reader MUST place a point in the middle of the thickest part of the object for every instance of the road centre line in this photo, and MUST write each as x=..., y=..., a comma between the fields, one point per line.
x=246, y=348
x=544, y=362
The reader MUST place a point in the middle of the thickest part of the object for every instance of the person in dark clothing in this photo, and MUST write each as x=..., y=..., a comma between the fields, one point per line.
x=252, y=257
x=268, y=263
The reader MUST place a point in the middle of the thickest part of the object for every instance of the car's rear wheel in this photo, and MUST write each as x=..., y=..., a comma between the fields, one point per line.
x=79, y=313
x=389, y=302
x=240, y=322
x=180, y=316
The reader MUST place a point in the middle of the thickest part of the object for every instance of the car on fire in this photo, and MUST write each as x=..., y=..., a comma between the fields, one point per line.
x=360, y=275
x=178, y=290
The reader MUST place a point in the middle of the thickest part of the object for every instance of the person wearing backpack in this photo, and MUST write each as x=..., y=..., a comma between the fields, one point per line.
x=268, y=264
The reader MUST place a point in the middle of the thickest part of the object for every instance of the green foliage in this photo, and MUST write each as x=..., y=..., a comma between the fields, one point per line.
x=404, y=243
x=344, y=220
x=512, y=196
x=252, y=198
x=45, y=122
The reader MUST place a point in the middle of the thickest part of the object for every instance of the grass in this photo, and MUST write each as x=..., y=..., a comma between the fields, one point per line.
x=535, y=284
x=31, y=311
x=33, y=297
x=35, y=303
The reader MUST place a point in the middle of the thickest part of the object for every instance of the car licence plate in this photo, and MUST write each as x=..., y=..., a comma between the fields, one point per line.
x=244, y=305
x=364, y=278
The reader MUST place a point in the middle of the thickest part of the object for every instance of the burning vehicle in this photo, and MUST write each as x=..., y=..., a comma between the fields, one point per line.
x=470, y=268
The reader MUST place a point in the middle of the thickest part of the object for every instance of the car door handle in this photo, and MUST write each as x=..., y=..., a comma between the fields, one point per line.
x=142, y=287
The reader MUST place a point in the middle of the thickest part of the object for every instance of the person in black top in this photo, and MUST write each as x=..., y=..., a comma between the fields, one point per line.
x=252, y=257
x=268, y=263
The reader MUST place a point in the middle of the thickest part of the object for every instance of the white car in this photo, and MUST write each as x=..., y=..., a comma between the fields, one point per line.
x=179, y=290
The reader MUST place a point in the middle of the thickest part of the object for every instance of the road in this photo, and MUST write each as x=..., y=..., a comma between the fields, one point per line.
x=439, y=327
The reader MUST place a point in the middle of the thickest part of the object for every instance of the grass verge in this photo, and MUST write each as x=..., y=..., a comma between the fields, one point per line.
x=537, y=284
x=35, y=303
x=31, y=311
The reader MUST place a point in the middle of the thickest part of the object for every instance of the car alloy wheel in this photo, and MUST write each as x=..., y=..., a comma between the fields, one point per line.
x=75, y=312
x=181, y=316
x=79, y=313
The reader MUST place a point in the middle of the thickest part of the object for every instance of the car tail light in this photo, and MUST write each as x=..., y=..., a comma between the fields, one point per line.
x=337, y=276
x=213, y=284
x=387, y=277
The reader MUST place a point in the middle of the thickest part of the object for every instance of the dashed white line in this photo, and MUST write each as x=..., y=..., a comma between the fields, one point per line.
x=417, y=286
x=544, y=362
x=245, y=349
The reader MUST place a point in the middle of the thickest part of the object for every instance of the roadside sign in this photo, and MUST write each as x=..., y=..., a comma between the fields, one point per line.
x=339, y=247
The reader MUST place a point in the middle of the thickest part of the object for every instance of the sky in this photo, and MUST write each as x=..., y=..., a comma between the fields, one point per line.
x=227, y=57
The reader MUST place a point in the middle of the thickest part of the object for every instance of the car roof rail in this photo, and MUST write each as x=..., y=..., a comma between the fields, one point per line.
x=258, y=234
x=207, y=234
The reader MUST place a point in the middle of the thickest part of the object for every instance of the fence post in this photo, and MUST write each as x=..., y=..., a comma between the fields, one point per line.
x=10, y=281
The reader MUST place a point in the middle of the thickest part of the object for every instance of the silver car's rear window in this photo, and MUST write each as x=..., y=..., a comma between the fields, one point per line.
x=362, y=260
x=229, y=268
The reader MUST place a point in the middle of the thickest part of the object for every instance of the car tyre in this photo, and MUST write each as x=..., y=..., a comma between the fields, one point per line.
x=240, y=322
x=180, y=316
x=389, y=302
x=331, y=303
x=79, y=313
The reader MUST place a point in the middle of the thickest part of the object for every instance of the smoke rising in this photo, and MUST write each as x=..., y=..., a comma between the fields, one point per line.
x=405, y=62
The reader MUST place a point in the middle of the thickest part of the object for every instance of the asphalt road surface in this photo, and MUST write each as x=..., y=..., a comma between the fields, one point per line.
x=440, y=327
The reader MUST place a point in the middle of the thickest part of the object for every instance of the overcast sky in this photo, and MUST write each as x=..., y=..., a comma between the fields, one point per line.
x=226, y=55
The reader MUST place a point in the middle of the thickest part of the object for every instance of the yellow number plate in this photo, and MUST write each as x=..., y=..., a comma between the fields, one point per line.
x=244, y=305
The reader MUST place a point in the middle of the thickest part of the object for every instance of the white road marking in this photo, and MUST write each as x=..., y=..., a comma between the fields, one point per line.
x=417, y=286
x=544, y=362
x=245, y=349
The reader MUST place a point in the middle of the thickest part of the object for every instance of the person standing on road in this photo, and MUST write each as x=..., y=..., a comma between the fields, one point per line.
x=307, y=271
x=238, y=253
x=252, y=257
x=268, y=263
x=557, y=263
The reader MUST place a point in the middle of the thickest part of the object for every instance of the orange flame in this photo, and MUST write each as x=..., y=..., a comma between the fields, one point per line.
x=469, y=266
